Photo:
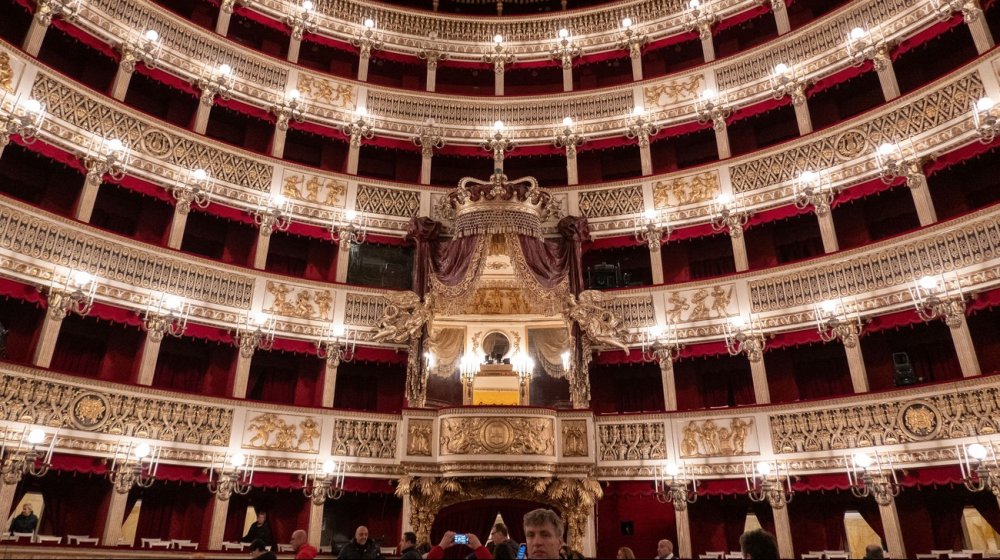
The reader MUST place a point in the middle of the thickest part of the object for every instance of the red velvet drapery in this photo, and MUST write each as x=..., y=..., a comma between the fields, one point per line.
x=172, y=510
x=633, y=502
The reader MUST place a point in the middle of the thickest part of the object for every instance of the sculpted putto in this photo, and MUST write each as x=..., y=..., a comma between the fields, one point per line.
x=599, y=324
x=404, y=316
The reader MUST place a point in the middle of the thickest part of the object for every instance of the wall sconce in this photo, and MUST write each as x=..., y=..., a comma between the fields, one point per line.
x=25, y=458
x=368, y=38
x=765, y=482
x=167, y=314
x=323, y=481
x=432, y=51
x=980, y=469
x=430, y=138
x=195, y=189
x=337, y=345
x=728, y=213
x=785, y=81
x=219, y=81
x=569, y=139
x=700, y=18
x=660, y=342
x=867, y=477
x=946, y=8
x=272, y=216
x=675, y=484
x=814, y=188
x=713, y=107
x=255, y=330
x=656, y=230
x=497, y=55
x=743, y=336
x=350, y=228
x=499, y=143
x=302, y=20
x=22, y=118
x=106, y=156
x=984, y=116
x=71, y=293
x=289, y=109
x=863, y=45
x=900, y=160
x=564, y=50
x=939, y=297
x=640, y=127
x=65, y=9
x=143, y=48
x=835, y=320
x=133, y=466
x=362, y=127
x=631, y=39
x=231, y=474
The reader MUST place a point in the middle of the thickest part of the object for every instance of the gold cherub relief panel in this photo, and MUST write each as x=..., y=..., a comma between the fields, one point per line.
x=715, y=302
x=497, y=436
x=312, y=188
x=292, y=301
x=281, y=432
x=711, y=438
x=686, y=190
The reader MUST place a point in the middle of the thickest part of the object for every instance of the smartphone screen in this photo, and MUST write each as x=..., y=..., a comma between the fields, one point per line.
x=461, y=538
x=522, y=551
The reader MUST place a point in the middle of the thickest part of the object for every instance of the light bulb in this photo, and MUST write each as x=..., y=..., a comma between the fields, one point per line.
x=307, y=6
x=781, y=68
x=638, y=111
x=172, y=302
x=369, y=23
x=984, y=104
x=862, y=460
x=627, y=23
x=656, y=331
x=259, y=318
x=151, y=35
x=809, y=176
x=34, y=106
x=709, y=94
x=37, y=436
x=764, y=468
x=928, y=282
x=857, y=33
x=225, y=69
x=886, y=148
x=294, y=94
x=498, y=126
x=650, y=215
x=498, y=38
x=339, y=330
x=351, y=215
x=738, y=321
x=361, y=111
x=141, y=451
x=278, y=200
x=828, y=306
x=81, y=278
x=568, y=122
x=563, y=33
x=724, y=199
x=329, y=466
x=237, y=460
x=115, y=145
x=694, y=4
x=199, y=174
x=977, y=451
x=672, y=469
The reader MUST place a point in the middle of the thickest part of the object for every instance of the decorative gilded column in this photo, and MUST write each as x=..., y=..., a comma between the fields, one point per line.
x=498, y=57
x=729, y=215
x=7, y=492
x=114, y=519
x=428, y=139
x=197, y=190
x=570, y=140
x=633, y=40
x=683, y=523
x=433, y=53
x=288, y=110
x=220, y=81
x=362, y=127
x=45, y=10
x=743, y=336
x=329, y=384
x=902, y=160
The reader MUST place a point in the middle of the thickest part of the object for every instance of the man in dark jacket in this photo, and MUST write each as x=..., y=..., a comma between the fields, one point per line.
x=408, y=547
x=26, y=522
x=360, y=548
x=500, y=537
x=261, y=529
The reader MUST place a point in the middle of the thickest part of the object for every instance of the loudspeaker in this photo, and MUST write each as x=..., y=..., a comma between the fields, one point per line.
x=903, y=369
x=628, y=528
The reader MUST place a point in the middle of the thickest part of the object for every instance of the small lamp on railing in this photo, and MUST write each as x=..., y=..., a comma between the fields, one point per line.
x=835, y=319
x=984, y=116
x=26, y=458
x=231, y=474
x=814, y=188
x=71, y=293
x=21, y=118
x=728, y=213
x=743, y=336
x=166, y=314
x=675, y=484
x=323, y=481
x=133, y=465
x=289, y=109
x=273, y=214
x=656, y=231
x=350, y=228
x=255, y=330
x=144, y=48
x=337, y=345
x=980, y=470
x=868, y=477
x=765, y=481
x=939, y=297
x=367, y=38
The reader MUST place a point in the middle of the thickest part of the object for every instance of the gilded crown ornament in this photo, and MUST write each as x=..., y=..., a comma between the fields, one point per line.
x=499, y=205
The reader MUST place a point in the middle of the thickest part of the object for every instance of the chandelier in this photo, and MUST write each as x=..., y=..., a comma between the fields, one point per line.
x=25, y=458
x=867, y=477
x=323, y=481
x=569, y=139
x=133, y=466
x=939, y=297
x=231, y=474
x=764, y=481
x=195, y=189
x=302, y=20
x=656, y=231
x=984, y=117
x=144, y=48
x=255, y=330
x=814, y=189
x=220, y=81
x=71, y=293
x=675, y=484
x=20, y=118
x=289, y=109
x=743, y=336
x=167, y=314
x=836, y=320
x=337, y=345
x=107, y=156
x=272, y=215
x=713, y=107
x=728, y=213
x=899, y=160
x=979, y=466
x=349, y=229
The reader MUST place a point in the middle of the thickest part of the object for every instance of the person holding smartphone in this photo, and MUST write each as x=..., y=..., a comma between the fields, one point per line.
x=451, y=538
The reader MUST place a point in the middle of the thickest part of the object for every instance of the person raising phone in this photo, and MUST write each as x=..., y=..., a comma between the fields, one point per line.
x=449, y=540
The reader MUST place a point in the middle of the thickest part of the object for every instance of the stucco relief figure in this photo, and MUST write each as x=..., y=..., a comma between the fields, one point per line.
x=599, y=324
x=710, y=438
x=689, y=444
x=262, y=427
x=310, y=432
x=403, y=318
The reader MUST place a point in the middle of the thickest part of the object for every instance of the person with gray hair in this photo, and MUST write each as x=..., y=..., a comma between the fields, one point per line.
x=874, y=552
x=543, y=529
x=303, y=550
x=664, y=550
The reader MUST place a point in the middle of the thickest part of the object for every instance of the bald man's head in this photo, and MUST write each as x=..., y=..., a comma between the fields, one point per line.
x=298, y=538
x=664, y=547
x=361, y=535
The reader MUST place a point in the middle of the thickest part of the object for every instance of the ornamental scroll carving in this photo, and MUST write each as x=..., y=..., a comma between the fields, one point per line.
x=88, y=113
x=632, y=442
x=686, y=190
x=43, y=239
x=574, y=438
x=907, y=120
x=418, y=438
x=500, y=300
x=612, y=202
x=282, y=432
x=893, y=266
x=672, y=92
x=311, y=188
x=708, y=439
x=327, y=92
x=701, y=304
x=6, y=72
x=374, y=439
x=497, y=436
x=301, y=303
x=634, y=311
x=967, y=413
x=54, y=404
x=363, y=310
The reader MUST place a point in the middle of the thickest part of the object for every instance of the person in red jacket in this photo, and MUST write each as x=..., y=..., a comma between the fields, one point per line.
x=303, y=550
x=481, y=552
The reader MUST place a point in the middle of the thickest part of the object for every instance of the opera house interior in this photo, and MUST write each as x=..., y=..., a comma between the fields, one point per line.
x=673, y=269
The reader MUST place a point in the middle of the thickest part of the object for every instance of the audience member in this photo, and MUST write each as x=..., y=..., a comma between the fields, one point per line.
x=303, y=550
x=664, y=550
x=758, y=544
x=500, y=536
x=625, y=553
x=408, y=547
x=543, y=531
x=478, y=550
x=874, y=552
x=259, y=551
x=25, y=522
x=360, y=548
x=260, y=529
